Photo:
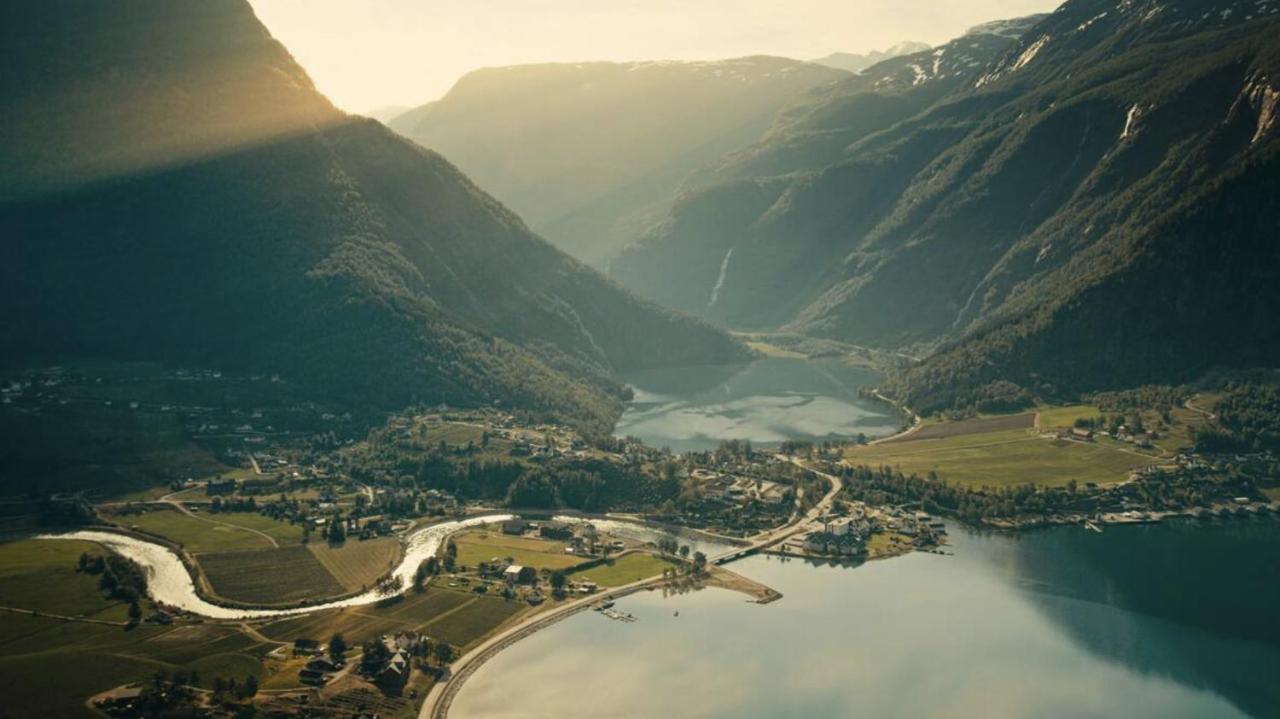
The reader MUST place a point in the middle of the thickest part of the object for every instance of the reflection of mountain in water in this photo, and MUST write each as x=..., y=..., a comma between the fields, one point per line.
x=1179, y=600
x=766, y=401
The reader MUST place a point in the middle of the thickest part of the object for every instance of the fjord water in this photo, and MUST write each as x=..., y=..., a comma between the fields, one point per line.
x=766, y=401
x=1156, y=621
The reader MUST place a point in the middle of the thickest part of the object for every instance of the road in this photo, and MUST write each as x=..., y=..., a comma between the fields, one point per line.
x=436, y=705
x=172, y=500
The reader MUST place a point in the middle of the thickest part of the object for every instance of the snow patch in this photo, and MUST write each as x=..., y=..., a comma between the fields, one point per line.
x=1085, y=25
x=1267, y=100
x=1030, y=53
x=1130, y=120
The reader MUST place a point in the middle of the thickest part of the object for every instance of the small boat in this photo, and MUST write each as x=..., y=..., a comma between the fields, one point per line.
x=677, y=613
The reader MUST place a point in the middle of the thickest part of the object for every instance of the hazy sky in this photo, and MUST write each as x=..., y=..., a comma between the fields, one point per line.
x=365, y=54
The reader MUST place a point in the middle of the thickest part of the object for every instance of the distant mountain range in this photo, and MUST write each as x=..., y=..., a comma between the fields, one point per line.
x=175, y=189
x=1075, y=201
x=857, y=62
x=586, y=152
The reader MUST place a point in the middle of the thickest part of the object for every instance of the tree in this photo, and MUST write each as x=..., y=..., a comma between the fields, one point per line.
x=443, y=652
x=337, y=647
x=135, y=612
x=249, y=688
x=558, y=580
x=420, y=578
x=374, y=656
x=684, y=551
x=699, y=561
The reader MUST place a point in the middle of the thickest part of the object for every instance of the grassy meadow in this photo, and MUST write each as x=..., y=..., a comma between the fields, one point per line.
x=355, y=564
x=197, y=533
x=269, y=576
x=624, y=570
x=987, y=453
x=483, y=545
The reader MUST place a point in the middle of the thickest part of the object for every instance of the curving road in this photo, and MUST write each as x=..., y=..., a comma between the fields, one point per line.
x=436, y=705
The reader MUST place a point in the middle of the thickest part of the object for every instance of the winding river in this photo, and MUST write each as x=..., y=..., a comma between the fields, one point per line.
x=170, y=583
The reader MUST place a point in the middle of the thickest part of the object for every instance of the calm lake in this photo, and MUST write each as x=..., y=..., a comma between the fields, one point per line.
x=1173, y=620
x=766, y=401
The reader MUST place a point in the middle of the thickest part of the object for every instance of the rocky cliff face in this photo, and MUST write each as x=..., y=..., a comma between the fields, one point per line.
x=1070, y=213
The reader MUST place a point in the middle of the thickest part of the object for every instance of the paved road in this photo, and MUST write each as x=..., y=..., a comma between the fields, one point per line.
x=438, y=700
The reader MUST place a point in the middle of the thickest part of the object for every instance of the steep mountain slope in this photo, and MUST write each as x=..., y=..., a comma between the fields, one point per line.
x=787, y=179
x=857, y=62
x=193, y=199
x=583, y=151
x=1096, y=206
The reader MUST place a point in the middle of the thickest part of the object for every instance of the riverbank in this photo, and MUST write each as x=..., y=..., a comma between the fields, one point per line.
x=172, y=583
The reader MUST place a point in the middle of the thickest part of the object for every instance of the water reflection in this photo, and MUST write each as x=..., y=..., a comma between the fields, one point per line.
x=970, y=635
x=1199, y=598
x=766, y=401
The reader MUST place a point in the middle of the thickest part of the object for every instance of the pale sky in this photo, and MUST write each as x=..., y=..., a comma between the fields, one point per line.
x=366, y=54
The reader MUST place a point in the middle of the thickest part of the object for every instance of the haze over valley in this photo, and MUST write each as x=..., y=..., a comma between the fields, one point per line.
x=639, y=359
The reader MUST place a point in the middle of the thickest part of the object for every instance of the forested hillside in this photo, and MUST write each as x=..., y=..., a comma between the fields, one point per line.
x=196, y=201
x=1089, y=202
x=586, y=151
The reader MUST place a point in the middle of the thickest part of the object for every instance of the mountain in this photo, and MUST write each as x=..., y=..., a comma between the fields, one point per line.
x=857, y=62
x=180, y=192
x=716, y=254
x=387, y=113
x=585, y=151
x=1088, y=203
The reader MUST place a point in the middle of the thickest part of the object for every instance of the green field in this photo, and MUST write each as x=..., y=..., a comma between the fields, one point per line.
x=195, y=534
x=1004, y=458
x=1065, y=417
x=188, y=643
x=1174, y=436
x=269, y=576
x=283, y=532
x=41, y=574
x=51, y=666
x=471, y=621
x=358, y=624
x=628, y=569
x=357, y=564
x=484, y=545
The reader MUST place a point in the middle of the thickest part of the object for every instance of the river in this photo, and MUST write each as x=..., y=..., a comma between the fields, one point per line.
x=766, y=401
x=1173, y=620
x=169, y=582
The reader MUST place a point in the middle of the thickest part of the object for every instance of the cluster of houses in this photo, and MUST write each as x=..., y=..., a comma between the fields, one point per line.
x=923, y=526
x=581, y=537
x=738, y=490
x=845, y=537
x=1144, y=439
x=392, y=674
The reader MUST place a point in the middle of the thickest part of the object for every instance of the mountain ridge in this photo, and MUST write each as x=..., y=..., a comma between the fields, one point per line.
x=976, y=222
x=585, y=150
x=300, y=241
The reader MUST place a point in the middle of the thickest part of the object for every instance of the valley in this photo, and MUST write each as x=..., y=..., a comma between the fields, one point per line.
x=934, y=380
